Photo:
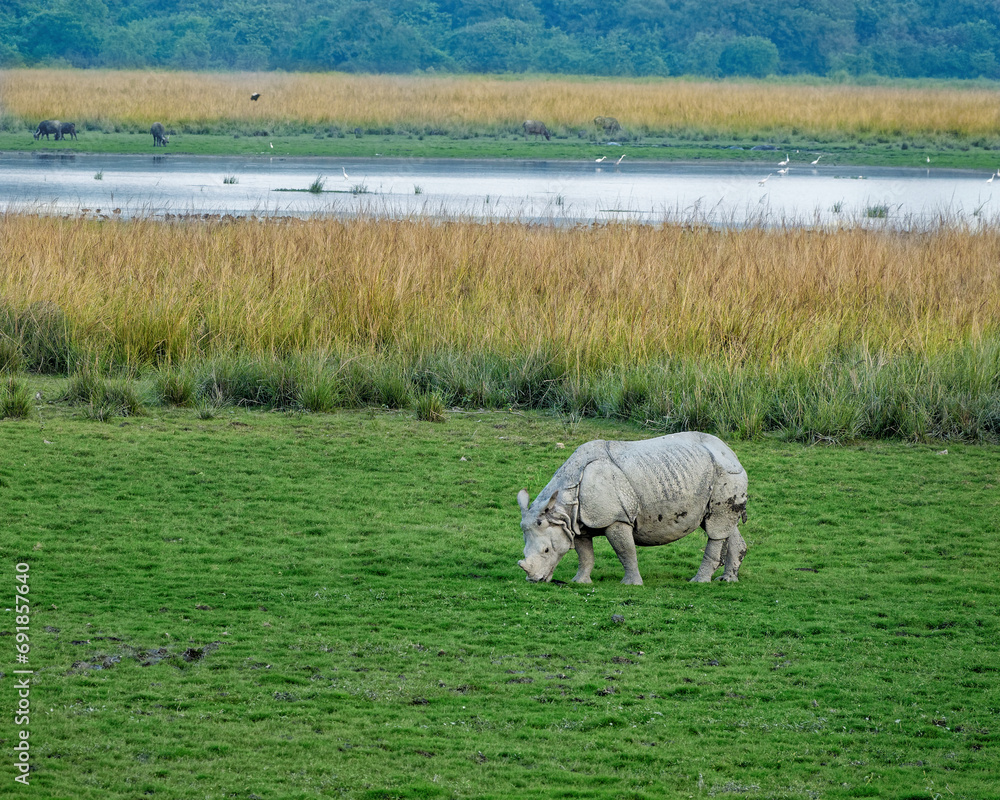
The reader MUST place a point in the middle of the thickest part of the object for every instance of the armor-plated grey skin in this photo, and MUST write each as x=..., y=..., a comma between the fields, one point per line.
x=160, y=138
x=67, y=129
x=644, y=493
x=535, y=128
x=47, y=126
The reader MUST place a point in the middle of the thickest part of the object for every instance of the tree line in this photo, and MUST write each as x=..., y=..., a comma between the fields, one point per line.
x=629, y=38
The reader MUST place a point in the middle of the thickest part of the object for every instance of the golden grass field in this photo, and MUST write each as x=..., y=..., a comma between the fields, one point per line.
x=132, y=98
x=619, y=295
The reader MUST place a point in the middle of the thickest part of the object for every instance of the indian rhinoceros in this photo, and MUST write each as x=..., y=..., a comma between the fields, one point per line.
x=643, y=493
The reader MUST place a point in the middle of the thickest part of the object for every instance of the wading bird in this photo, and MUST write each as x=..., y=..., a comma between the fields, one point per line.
x=785, y=162
x=762, y=181
x=599, y=160
x=346, y=176
x=619, y=161
x=814, y=163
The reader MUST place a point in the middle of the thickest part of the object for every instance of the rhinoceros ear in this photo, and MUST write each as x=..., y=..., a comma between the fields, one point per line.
x=558, y=514
x=523, y=499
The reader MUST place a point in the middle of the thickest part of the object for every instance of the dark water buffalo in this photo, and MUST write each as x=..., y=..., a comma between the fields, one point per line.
x=47, y=126
x=67, y=129
x=536, y=128
x=607, y=124
x=160, y=138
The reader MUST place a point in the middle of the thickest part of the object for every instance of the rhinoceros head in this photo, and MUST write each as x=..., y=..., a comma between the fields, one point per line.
x=548, y=536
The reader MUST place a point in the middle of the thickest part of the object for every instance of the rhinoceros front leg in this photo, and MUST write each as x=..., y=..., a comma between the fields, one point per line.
x=623, y=543
x=735, y=550
x=585, y=551
x=710, y=563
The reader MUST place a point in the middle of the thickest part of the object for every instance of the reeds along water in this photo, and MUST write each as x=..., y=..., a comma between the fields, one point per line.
x=106, y=98
x=746, y=330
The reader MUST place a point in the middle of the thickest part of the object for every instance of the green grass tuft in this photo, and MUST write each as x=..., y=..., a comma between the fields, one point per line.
x=430, y=407
x=37, y=338
x=15, y=400
x=175, y=388
x=103, y=398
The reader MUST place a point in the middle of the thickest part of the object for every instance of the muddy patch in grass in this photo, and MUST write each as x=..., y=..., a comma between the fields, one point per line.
x=146, y=657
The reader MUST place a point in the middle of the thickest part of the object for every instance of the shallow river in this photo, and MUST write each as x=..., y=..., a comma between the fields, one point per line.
x=553, y=192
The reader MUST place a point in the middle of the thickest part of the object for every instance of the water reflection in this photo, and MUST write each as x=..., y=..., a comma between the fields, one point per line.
x=551, y=192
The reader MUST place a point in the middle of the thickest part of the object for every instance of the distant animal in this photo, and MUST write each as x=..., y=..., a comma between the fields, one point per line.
x=67, y=129
x=255, y=96
x=607, y=124
x=536, y=128
x=160, y=138
x=47, y=126
x=643, y=493
x=814, y=163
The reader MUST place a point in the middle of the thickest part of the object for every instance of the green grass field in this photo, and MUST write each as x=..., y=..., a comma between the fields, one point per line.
x=259, y=605
x=862, y=151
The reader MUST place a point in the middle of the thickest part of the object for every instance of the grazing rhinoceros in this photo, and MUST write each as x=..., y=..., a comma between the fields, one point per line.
x=67, y=129
x=535, y=128
x=47, y=126
x=641, y=493
x=160, y=138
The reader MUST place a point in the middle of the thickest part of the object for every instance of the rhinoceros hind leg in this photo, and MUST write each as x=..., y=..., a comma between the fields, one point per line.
x=623, y=542
x=710, y=563
x=585, y=551
x=735, y=551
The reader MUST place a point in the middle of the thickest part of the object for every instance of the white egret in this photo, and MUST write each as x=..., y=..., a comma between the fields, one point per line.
x=814, y=163
x=762, y=181
x=785, y=162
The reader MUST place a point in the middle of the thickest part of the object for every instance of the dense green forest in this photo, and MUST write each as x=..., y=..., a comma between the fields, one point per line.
x=892, y=38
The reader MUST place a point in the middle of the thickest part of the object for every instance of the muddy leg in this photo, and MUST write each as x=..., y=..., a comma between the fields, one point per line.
x=585, y=550
x=734, y=557
x=710, y=563
x=620, y=536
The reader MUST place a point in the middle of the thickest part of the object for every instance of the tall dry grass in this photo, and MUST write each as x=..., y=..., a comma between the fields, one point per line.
x=618, y=296
x=104, y=98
